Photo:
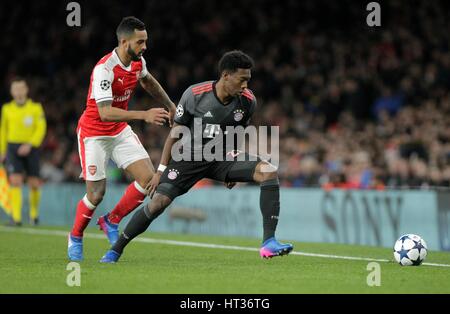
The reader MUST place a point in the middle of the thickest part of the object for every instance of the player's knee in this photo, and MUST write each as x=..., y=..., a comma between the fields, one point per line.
x=95, y=191
x=265, y=172
x=16, y=180
x=269, y=176
x=158, y=204
x=34, y=183
x=95, y=197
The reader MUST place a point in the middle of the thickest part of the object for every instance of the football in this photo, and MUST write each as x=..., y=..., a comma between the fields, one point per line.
x=410, y=250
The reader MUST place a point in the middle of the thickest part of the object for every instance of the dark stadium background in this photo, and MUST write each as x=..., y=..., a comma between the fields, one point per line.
x=357, y=106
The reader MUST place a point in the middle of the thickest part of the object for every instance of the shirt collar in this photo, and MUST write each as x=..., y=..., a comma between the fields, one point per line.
x=127, y=68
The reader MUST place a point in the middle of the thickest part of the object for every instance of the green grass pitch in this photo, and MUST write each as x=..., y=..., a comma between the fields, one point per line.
x=34, y=261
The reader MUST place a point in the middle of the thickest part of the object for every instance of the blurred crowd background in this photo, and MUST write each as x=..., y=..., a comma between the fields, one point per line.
x=358, y=106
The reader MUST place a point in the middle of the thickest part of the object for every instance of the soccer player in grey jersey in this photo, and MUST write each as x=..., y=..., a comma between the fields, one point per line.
x=211, y=106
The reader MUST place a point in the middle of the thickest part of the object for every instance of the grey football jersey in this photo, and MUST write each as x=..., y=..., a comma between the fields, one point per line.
x=207, y=117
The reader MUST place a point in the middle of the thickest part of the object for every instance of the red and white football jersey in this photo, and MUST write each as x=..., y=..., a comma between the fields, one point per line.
x=110, y=80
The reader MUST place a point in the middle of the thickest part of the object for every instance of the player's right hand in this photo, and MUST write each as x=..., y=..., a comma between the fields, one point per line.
x=156, y=116
x=2, y=158
x=153, y=184
x=24, y=150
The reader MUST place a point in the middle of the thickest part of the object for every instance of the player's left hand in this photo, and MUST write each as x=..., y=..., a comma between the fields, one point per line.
x=24, y=150
x=151, y=186
x=230, y=185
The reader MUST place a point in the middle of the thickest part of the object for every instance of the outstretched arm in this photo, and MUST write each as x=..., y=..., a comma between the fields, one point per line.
x=152, y=86
x=103, y=79
x=108, y=113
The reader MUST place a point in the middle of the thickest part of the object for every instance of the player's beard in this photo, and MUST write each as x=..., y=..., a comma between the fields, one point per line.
x=133, y=55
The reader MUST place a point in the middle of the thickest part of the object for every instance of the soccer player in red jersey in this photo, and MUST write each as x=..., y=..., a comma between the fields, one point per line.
x=103, y=132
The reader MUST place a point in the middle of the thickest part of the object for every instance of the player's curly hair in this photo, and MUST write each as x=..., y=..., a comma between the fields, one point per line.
x=234, y=60
x=128, y=25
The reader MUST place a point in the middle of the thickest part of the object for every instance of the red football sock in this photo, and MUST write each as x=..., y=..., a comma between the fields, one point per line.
x=85, y=210
x=133, y=197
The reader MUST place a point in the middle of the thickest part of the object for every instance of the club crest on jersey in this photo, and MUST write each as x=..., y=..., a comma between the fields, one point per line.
x=173, y=174
x=180, y=110
x=92, y=169
x=238, y=115
x=105, y=84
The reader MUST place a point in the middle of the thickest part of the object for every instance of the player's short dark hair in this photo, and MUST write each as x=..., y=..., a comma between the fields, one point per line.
x=18, y=79
x=128, y=25
x=234, y=60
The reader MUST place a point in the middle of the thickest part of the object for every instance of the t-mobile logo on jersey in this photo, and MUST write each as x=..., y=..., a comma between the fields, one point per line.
x=210, y=142
x=211, y=130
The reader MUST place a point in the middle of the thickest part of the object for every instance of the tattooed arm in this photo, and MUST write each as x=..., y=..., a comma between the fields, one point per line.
x=152, y=86
x=108, y=113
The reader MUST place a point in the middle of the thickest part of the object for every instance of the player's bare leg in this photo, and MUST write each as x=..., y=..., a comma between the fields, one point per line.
x=142, y=171
x=95, y=190
x=138, y=224
x=266, y=175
